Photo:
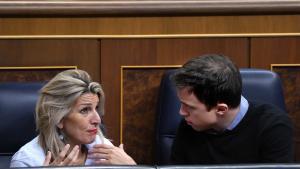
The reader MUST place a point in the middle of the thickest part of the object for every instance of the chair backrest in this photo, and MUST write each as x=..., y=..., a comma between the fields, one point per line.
x=259, y=85
x=17, y=107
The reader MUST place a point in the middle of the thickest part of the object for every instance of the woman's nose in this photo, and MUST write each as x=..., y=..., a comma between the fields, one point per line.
x=96, y=119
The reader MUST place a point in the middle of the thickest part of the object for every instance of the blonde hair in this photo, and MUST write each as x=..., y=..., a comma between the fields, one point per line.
x=55, y=102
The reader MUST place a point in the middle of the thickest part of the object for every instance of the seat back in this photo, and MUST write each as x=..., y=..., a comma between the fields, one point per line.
x=17, y=107
x=259, y=85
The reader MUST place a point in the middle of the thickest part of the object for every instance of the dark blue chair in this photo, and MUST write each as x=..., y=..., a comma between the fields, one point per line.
x=259, y=85
x=17, y=107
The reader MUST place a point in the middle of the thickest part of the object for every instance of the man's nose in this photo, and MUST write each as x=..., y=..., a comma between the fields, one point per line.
x=183, y=112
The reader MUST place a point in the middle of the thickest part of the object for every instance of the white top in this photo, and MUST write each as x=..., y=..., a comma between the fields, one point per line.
x=32, y=154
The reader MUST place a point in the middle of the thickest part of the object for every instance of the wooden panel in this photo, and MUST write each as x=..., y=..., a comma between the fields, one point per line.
x=283, y=50
x=139, y=114
x=276, y=50
x=137, y=25
x=118, y=52
x=82, y=53
x=29, y=74
x=290, y=76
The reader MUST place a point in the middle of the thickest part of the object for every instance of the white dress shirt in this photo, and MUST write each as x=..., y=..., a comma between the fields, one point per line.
x=32, y=154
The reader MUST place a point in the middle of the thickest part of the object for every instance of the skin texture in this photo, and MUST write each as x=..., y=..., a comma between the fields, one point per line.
x=194, y=112
x=71, y=159
x=108, y=154
x=80, y=126
x=199, y=117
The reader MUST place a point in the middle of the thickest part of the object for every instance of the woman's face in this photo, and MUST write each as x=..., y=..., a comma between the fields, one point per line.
x=81, y=125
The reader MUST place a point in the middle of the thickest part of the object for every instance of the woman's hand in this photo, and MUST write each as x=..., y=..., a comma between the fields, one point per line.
x=62, y=160
x=109, y=154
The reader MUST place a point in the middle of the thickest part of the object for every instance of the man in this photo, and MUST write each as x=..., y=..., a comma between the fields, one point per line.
x=220, y=126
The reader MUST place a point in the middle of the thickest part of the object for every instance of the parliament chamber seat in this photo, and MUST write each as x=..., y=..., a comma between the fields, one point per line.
x=259, y=85
x=17, y=108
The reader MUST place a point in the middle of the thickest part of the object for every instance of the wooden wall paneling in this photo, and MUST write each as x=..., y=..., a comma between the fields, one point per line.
x=183, y=49
x=274, y=50
x=290, y=76
x=281, y=50
x=52, y=52
x=151, y=25
x=120, y=52
x=140, y=94
x=30, y=74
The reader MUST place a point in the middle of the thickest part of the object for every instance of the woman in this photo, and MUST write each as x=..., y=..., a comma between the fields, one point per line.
x=68, y=115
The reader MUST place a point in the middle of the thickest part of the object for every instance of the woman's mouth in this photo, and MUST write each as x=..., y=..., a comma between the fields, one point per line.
x=93, y=131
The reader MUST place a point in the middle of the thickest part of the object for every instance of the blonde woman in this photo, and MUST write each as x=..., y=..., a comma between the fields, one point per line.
x=68, y=115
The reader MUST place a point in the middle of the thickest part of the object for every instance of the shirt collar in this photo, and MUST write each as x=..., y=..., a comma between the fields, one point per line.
x=244, y=105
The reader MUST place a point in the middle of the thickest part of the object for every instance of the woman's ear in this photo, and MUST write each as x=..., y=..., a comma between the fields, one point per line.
x=60, y=125
x=222, y=108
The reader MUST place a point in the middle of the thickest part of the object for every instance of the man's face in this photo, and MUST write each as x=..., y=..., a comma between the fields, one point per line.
x=195, y=112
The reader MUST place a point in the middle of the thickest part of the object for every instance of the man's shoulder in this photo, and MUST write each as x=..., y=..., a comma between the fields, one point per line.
x=265, y=109
x=268, y=114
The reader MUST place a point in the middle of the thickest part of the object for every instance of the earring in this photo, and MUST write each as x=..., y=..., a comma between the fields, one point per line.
x=61, y=137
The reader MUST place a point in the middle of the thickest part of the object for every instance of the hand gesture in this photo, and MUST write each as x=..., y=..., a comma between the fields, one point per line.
x=109, y=154
x=62, y=160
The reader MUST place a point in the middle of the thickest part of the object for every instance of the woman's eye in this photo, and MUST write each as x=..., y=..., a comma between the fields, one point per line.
x=84, y=110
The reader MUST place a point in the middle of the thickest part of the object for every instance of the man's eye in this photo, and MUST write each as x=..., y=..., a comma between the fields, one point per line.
x=190, y=109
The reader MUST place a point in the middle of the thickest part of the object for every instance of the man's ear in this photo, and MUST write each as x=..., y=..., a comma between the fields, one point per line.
x=222, y=109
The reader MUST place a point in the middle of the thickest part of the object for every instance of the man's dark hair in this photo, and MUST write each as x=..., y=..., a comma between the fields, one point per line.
x=212, y=78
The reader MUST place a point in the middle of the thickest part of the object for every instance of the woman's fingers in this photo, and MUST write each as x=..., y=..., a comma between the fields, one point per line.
x=47, y=159
x=108, y=154
x=62, y=155
x=98, y=156
x=101, y=148
x=100, y=151
x=62, y=159
x=72, y=157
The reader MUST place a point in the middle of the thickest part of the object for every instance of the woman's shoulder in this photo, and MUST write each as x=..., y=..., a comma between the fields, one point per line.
x=31, y=154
